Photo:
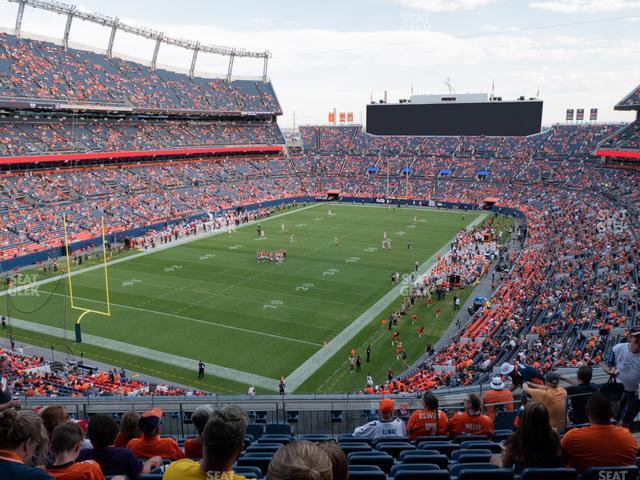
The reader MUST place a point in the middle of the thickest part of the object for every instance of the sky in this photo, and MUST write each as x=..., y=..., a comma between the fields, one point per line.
x=340, y=53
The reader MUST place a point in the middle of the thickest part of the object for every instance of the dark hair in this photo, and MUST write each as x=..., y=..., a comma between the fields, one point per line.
x=65, y=437
x=18, y=427
x=585, y=373
x=339, y=463
x=430, y=401
x=223, y=437
x=201, y=416
x=300, y=460
x=599, y=408
x=129, y=425
x=474, y=402
x=535, y=443
x=102, y=430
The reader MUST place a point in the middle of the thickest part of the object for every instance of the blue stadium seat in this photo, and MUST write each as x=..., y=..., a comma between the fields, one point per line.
x=260, y=460
x=264, y=448
x=483, y=444
x=315, y=437
x=150, y=476
x=274, y=438
x=456, y=468
x=293, y=416
x=255, y=430
x=468, y=437
x=432, y=438
x=246, y=470
x=504, y=420
x=278, y=429
x=611, y=473
x=394, y=448
x=445, y=448
x=364, y=468
x=336, y=416
x=373, y=475
x=467, y=451
x=502, y=434
x=422, y=475
x=261, y=417
x=549, y=474
x=441, y=460
x=475, y=458
x=486, y=474
x=417, y=452
x=350, y=438
x=413, y=466
x=349, y=447
x=392, y=438
x=384, y=461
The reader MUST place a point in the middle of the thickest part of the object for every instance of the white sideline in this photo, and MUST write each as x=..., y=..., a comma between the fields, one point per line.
x=146, y=252
x=167, y=358
x=318, y=359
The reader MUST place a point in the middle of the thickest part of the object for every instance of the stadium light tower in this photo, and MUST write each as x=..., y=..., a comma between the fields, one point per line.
x=70, y=11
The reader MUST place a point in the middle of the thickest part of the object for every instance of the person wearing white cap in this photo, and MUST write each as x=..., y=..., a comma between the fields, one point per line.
x=498, y=398
x=521, y=375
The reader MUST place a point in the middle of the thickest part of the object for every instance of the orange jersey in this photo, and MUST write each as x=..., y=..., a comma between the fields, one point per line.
x=462, y=423
x=146, y=447
x=493, y=397
x=87, y=470
x=427, y=422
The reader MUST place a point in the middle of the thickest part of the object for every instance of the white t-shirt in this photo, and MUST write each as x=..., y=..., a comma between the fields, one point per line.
x=377, y=429
x=629, y=366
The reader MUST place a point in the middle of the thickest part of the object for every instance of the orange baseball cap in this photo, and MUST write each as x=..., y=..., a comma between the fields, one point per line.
x=386, y=405
x=154, y=412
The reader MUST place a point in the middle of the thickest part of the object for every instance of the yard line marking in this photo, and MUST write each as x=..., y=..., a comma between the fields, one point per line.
x=162, y=357
x=318, y=359
x=195, y=320
x=181, y=241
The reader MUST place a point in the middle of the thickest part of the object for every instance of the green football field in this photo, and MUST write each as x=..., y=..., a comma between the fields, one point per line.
x=253, y=322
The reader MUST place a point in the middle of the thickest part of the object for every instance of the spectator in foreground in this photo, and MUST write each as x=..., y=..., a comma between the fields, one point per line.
x=387, y=426
x=222, y=444
x=6, y=395
x=534, y=444
x=600, y=444
x=471, y=421
x=498, y=398
x=199, y=418
x=128, y=429
x=65, y=445
x=552, y=396
x=339, y=463
x=300, y=460
x=102, y=430
x=579, y=393
x=624, y=363
x=151, y=445
x=428, y=421
x=22, y=436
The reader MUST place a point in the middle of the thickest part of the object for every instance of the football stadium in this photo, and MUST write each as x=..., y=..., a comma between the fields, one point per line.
x=221, y=275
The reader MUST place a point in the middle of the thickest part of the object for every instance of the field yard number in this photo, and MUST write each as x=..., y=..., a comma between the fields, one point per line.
x=173, y=268
x=370, y=249
x=400, y=233
x=207, y=256
x=235, y=247
x=331, y=272
x=352, y=260
x=422, y=220
x=411, y=227
x=131, y=282
x=300, y=225
x=273, y=304
x=318, y=219
x=304, y=287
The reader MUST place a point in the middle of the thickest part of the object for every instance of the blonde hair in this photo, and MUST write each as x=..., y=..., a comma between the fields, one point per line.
x=300, y=460
x=18, y=427
x=129, y=425
x=52, y=416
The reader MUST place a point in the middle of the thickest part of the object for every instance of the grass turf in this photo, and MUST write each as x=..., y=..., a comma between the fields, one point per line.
x=209, y=299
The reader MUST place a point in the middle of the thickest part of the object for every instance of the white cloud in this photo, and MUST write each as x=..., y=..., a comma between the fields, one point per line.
x=443, y=5
x=585, y=6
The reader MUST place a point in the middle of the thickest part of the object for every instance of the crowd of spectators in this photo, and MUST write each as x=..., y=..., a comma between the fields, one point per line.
x=40, y=70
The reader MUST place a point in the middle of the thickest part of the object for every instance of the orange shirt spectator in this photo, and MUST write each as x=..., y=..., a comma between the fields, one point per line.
x=87, y=470
x=428, y=421
x=497, y=395
x=471, y=421
x=150, y=444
